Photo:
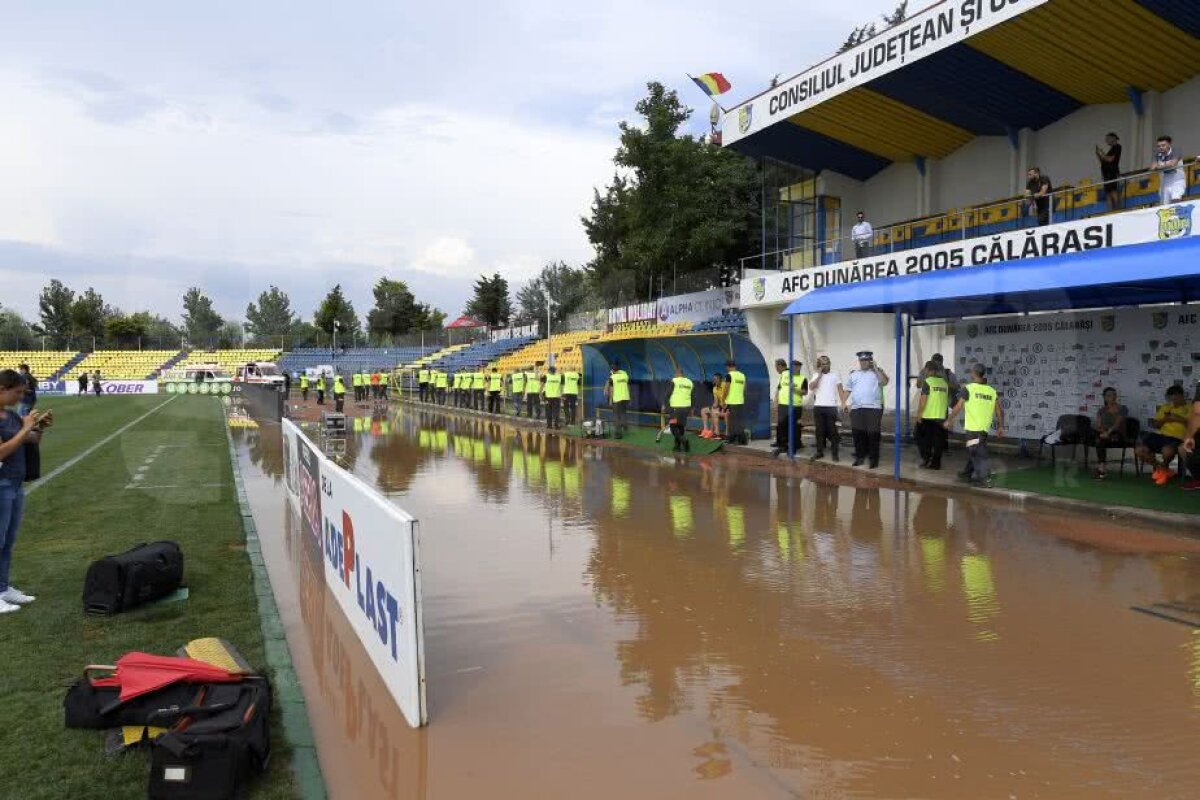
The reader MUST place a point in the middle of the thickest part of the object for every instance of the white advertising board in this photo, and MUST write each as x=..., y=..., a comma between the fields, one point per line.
x=1133, y=227
x=371, y=558
x=1047, y=365
x=71, y=386
x=936, y=28
x=691, y=307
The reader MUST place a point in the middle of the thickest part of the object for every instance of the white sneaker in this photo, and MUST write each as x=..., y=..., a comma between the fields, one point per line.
x=16, y=597
x=8, y=608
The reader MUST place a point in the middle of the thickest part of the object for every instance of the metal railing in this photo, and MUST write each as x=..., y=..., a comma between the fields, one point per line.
x=1129, y=192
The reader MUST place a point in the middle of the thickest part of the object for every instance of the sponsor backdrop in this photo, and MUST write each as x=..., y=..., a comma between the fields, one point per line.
x=1047, y=365
x=370, y=551
x=921, y=35
x=1134, y=227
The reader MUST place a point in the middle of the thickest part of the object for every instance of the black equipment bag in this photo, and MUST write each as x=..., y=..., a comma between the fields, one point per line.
x=100, y=707
x=140, y=575
x=213, y=752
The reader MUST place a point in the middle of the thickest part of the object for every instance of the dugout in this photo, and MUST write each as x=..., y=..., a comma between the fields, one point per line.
x=651, y=363
x=1159, y=273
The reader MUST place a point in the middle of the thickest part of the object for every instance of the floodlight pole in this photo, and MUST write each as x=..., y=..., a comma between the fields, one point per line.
x=549, y=345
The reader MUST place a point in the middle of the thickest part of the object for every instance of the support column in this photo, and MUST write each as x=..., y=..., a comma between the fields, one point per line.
x=897, y=443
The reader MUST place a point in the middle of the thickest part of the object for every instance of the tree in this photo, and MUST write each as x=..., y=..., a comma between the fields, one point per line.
x=567, y=287
x=199, y=319
x=336, y=308
x=88, y=314
x=54, y=307
x=230, y=335
x=272, y=316
x=898, y=15
x=857, y=36
x=397, y=311
x=676, y=205
x=15, y=332
x=127, y=330
x=490, y=303
x=162, y=334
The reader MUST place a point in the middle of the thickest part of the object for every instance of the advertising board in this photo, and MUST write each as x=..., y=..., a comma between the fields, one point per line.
x=371, y=558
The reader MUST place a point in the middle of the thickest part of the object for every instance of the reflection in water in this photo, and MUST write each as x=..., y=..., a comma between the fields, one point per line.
x=784, y=636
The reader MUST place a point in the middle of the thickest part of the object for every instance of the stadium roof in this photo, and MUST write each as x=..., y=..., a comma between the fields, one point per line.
x=958, y=70
x=1142, y=274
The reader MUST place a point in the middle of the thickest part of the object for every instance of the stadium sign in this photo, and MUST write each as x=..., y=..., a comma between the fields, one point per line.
x=691, y=307
x=53, y=387
x=1134, y=227
x=934, y=29
x=113, y=387
x=371, y=563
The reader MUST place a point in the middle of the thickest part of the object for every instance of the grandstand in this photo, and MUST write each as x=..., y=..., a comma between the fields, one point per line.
x=566, y=346
x=128, y=364
x=229, y=360
x=732, y=322
x=369, y=359
x=479, y=355
x=429, y=358
x=44, y=364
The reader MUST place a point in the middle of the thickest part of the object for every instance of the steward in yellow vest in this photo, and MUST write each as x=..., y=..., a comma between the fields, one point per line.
x=680, y=407
x=734, y=400
x=553, y=393
x=982, y=407
x=571, y=381
x=932, y=409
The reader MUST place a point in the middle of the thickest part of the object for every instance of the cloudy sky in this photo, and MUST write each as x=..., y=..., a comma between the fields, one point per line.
x=149, y=146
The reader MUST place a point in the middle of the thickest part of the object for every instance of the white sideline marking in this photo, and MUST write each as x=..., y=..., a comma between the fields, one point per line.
x=177, y=486
x=61, y=468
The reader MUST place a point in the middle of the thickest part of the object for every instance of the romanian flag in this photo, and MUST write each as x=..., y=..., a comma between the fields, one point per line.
x=712, y=83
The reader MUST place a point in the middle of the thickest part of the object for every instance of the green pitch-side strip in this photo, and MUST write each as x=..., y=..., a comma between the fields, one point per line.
x=288, y=696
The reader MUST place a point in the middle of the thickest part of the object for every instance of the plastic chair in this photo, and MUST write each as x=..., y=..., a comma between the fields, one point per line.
x=1133, y=432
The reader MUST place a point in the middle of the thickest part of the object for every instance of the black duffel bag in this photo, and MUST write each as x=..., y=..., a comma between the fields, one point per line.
x=139, y=575
x=100, y=707
x=214, y=751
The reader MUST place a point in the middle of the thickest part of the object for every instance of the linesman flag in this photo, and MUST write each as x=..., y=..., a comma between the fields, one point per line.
x=712, y=83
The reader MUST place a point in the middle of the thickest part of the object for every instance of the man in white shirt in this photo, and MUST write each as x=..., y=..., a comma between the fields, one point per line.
x=828, y=397
x=862, y=233
x=1174, y=183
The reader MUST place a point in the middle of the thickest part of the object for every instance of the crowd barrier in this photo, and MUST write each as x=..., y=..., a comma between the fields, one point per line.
x=372, y=565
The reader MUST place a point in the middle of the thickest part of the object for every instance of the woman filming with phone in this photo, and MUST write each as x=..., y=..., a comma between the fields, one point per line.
x=17, y=435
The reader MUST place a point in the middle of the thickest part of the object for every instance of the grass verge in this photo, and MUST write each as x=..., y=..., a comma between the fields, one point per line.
x=98, y=506
x=1071, y=481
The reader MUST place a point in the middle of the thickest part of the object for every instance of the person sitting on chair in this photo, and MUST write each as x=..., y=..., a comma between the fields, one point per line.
x=1110, y=429
x=1170, y=424
x=711, y=416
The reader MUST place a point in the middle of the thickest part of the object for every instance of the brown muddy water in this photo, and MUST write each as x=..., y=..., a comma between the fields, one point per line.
x=602, y=623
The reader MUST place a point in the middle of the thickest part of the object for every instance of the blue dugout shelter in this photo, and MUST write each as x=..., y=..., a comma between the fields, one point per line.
x=651, y=363
x=1145, y=274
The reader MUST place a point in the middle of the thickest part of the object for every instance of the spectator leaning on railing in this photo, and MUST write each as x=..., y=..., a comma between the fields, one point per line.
x=1038, y=189
x=1174, y=183
x=1109, y=157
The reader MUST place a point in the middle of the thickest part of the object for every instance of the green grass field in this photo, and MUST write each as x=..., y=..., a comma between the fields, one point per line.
x=1118, y=490
x=97, y=506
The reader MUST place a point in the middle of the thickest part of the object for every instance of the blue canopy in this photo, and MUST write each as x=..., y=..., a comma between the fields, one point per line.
x=1157, y=272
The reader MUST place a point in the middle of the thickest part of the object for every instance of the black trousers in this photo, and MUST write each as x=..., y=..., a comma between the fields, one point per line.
x=479, y=395
x=421, y=392
x=978, y=467
x=339, y=402
x=552, y=407
x=320, y=397
x=931, y=441
x=441, y=396
x=621, y=417
x=517, y=398
x=679, y=429
x=865, y=423
x=733, y=424
x=570, y=407
x=304, y=393
x=533, y=406
x=825, y=425
x=493, y=403
x=781, y=427
x=1117, y=440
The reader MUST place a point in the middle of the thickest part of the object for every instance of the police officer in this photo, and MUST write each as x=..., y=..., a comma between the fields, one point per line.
x=680, y=405
x=734, y=403
x=442, y=381
x=495, y=387
x=517, y=382
x=788, y=405
x=865, y=385
x=931, y=413
x=617, y=392
x=571, y=380
x=304, y=386
x=979, y=401
x=339, y=393
x=478, y=387
x=321, y=389
x=422, y=383
x=552, y=390
x=533, y=394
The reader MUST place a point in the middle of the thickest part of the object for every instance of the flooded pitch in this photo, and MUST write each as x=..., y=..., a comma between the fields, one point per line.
x=602, y=623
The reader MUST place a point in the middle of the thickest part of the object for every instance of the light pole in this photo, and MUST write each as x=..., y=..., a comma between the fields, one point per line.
x=549, y=345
